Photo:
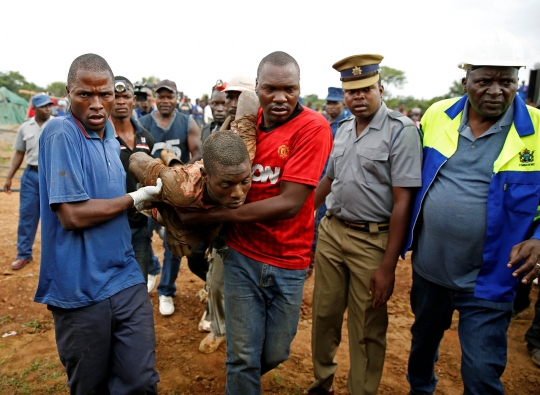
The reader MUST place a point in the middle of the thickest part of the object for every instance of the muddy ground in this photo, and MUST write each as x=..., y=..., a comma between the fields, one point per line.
x=29, y=362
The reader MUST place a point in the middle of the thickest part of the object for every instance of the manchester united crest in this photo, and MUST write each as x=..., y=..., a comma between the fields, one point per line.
x=283, y=151
x=526, y=156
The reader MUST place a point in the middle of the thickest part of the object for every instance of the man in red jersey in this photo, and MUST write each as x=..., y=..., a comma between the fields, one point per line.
x=266, y=264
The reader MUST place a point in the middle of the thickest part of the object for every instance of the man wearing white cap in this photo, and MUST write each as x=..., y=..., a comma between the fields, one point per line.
x=372, y=172
x=475, y=219
x=214, y=277
x=26, y=142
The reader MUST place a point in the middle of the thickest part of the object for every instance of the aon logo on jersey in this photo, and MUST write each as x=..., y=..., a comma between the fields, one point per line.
x=262, y=173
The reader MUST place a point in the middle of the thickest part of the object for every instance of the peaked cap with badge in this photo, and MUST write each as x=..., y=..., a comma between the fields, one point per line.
x=359, y=71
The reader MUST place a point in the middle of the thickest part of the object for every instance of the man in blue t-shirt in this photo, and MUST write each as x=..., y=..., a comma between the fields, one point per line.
x=180, y=134
x=89, y=277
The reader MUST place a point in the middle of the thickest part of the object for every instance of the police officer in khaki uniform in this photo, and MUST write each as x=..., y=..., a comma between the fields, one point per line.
x=373, y=170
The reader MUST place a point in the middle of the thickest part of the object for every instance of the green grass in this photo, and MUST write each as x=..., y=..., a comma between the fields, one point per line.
x=25, y=383
x=33, y=324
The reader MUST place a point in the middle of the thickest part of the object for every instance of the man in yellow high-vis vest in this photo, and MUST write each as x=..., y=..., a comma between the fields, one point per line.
x=474, y=230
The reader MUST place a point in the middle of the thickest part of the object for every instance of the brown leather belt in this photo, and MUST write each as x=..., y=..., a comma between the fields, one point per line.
x=364, y=226
x=32, y=167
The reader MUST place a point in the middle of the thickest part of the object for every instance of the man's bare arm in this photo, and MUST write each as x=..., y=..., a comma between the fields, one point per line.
x=88, y=213
x=194, y=142
x=81, y=215
x=286, y=205
x=322, y=191
x=15, y=164
x=382, y=281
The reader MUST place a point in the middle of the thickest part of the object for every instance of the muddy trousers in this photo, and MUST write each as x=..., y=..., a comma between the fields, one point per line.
x=215, y=286
x=345, y=260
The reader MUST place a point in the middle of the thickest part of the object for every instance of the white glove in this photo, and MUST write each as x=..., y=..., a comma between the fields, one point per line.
x=146, y=194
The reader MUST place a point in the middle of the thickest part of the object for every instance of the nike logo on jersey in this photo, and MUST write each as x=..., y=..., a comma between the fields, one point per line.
x=264, y=174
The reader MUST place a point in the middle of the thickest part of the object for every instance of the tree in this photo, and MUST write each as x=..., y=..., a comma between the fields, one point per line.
x=314, y=100
x=152, y=78
x=13, y=80
x=57, y=89
x=392, y=77
x=456, y=89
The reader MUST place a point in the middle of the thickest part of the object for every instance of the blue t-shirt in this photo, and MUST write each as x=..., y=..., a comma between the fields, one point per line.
x=82, y=267
x=174, y=138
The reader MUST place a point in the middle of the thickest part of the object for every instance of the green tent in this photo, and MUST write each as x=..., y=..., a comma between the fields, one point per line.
x=13, y=108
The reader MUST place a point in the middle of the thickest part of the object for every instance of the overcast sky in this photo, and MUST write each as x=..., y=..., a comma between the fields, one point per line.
x=197, y=42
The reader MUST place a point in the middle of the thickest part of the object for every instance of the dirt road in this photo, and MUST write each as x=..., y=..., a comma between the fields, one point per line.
x=29, y=362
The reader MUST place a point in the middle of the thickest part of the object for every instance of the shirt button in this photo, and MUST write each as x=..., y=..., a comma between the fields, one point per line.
x=472, y=146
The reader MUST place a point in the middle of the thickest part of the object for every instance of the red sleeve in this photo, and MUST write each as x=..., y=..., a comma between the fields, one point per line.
x=309, y=152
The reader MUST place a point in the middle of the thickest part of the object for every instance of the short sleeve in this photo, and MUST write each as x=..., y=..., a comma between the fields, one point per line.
x=330, y=169
x=60, y=160
x=309, y=154
x=406, y=158
x=19, y=144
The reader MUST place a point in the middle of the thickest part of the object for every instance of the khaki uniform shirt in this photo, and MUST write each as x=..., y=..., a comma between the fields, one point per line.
x=388, y=153
x=27, y=139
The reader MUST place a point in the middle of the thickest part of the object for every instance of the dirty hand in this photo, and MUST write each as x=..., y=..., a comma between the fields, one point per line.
x=381, y=286
x=7, y=186
x=146, y=194
x=529, y=250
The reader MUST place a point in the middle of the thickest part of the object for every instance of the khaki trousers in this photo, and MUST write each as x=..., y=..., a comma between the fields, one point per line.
x=345, y=260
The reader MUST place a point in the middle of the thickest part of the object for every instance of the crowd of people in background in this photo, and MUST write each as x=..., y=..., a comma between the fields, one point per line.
x=457, y=185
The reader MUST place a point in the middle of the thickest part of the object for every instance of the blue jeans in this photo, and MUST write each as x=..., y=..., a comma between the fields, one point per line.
x=142, y=243
x=482, y=333
x=171, y=266
x=28, y=213
x=262, y=305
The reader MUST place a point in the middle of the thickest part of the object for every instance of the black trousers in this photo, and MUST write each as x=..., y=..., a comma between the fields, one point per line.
x=533, y=334
x=109, y=347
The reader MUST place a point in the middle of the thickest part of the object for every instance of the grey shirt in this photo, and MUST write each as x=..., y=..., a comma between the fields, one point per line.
x=365, y=168
x=27, y=139
x=453, y=219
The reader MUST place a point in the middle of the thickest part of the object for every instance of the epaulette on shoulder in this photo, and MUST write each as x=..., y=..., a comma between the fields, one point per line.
x=405, y=121
x=350, y=118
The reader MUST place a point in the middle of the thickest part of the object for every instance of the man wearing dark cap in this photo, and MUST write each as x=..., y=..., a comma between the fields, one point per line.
x=374, y=167
x=26, y=142
x=132, y=138
x=475, y=230
x=335, y=108
x=180, y=134
x=214, y=278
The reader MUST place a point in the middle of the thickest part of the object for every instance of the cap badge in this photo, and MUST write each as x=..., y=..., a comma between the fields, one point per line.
x=356, y=70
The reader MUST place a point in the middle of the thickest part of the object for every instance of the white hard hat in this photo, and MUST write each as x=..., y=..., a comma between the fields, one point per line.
x=240, y=83
x=493, y=47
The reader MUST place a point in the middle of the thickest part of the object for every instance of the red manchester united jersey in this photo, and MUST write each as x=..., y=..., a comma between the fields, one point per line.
x=295, y=151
